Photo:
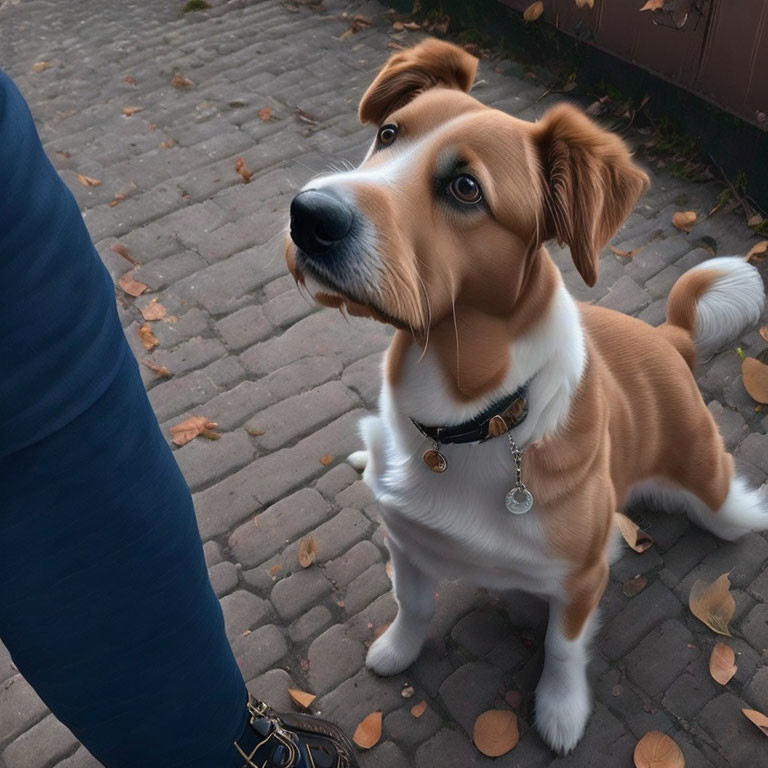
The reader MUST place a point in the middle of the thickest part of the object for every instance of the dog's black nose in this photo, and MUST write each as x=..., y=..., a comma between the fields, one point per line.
x=319, y=218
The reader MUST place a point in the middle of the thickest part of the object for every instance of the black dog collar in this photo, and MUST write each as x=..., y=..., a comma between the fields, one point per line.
x=495, y=420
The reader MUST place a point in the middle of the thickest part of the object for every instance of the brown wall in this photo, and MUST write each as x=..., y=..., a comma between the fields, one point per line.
x=720, y=54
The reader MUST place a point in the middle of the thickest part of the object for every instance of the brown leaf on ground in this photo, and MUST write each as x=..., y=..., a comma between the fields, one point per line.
x=764, y=332
x=757, y=252
x=755, y=220
x=167, y=144
x=242, y=169
x=722, y=663
x=39, y=66
x=160, y=370
x=148, y=339
x=368, y=732
x=128, y=111
x=657, y=750
x=754, y=376
x=625, y=254
x=632, y=534
x=758, y=718
x=265, y=114
x=153, y=311
x=130, y=286
x=88, y=181
x=684, y=220
x=301, y=699
x=396, y=46
x=417, y=710
x=634, y=586
x=63, y=153
x=255, y=431
x=179, y=81
x=307, y=551
x=713, y=604
x=653, y=5
x=390, y=571
x=533, y=11
x=408, y=692
x=275, y=569
x=193, y=427
x=398, y=26
x=411, y=25
x=118, y=198
x=121, y=250
x=496, y=732
x=588, y=3
x=128, y=79
x=326, y=459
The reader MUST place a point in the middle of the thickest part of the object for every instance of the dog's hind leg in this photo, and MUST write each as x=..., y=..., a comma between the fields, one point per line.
x=414, y=592
x=563, y=702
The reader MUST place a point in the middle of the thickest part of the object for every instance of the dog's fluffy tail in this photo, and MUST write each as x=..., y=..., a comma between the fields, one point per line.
x=715, y=301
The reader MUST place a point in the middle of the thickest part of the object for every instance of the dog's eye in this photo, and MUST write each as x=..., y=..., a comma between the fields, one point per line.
x=465, y=189
x=387, y=134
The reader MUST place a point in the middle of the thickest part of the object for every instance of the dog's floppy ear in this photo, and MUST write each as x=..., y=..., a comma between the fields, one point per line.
x=590, y=184
x=408, y=73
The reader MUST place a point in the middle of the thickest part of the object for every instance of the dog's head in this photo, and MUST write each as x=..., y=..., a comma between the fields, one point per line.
x=454, y=199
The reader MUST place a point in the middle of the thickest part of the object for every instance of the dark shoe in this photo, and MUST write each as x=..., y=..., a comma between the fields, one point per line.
x=292, y=741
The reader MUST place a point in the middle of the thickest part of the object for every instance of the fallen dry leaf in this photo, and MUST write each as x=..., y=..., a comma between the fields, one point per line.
x=758, y=718
x=398, y=26
x=764, y=332
x=588, y=3
x=757, y=252
x=713, y=603
x=653, y=5
x=408, y=692
x=255, y=431
x=411, y=25
x=634, y=586
x=395, y=46
x=684, y=220
x=118, y=198
x=657, y=750
x=326, y=459
x=632, y=534
x=242, y=169
x=275, y=569
x=532, y=12
x=496, y=732
x=179, y=81
x=121, y=250
x=63, y=153
x=307, y=551
x=148, y=339
x=128, y=111
x=754, y=376
x=153, y=311
x=189, y=429
x=368, y=733
x=265, y=114
x=389, y=570
x=417, y=710
x=130, y=286
x=301, y=699
x=755, y=220
x=128, y=79
x=88, y=181
x=722, y=663
x=39, y=66
x=160, y=370
x=625, y=254
x=167, y=144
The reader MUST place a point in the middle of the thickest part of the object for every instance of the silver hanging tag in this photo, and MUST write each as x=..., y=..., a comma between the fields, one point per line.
x=519, y=499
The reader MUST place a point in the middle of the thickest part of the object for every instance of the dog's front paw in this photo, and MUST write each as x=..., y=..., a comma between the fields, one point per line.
x=562, y=714
x=392, y=652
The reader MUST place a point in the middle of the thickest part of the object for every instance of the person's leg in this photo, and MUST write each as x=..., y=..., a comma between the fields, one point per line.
x=105, y=603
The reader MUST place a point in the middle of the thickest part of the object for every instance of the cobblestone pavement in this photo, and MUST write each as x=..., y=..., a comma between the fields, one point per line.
x=287, y=383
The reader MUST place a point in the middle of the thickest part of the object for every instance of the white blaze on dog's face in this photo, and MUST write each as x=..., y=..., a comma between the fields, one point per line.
x=451, y=204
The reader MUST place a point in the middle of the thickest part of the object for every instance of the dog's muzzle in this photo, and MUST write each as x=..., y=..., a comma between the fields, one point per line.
x=319, y=220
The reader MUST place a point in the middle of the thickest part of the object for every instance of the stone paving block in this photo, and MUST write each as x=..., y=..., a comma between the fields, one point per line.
x=43, y=743
x=754, y=450
x=310, y=623
x=297, y=593
x=481, y=631
x=731, y=423
x=352, y=563
x=212, y=552
x=203, y=461
x=189, y=355
x=469, y=691
x=689, y=694
x=20, y=707
x=258, y=651
x=335, y=481
x=223, y=577
x=734, y=735
x=741, y=559
x=755, y=628
x=272, y=688
x=189, y=324
x=366, y=588
x=661, y=657
x=301, y=414
x=255, y=541
x=409, y=731
x=643, y=612
x=288, y=308
x=242, y=610
x=244, y=327
x=160, y=273
x=384, y=755
x=449, y=749
x=364, y=377
x=334, y=657
x=7, y=667
x=626, y=296
x=347, y=340
x=81, y=759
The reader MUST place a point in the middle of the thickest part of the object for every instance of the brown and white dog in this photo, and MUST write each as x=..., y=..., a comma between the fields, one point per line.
x=440, y=232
